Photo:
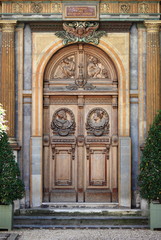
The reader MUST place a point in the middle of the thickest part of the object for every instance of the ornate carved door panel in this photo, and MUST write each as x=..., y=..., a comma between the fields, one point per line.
x=80, y=127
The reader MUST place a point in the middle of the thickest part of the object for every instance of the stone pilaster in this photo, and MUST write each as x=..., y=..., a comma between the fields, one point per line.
x=8, y=74
x=153, y=97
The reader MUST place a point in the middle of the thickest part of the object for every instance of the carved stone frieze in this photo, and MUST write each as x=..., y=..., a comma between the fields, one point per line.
x=36, y=7
x=124, y=8
x=80, y=32
x=97, y=122
x=104, y=8
x=57, y=7
x=63, y=122
x=65, y=69
x=17, y=7
x=95, y=69
x=143, y=7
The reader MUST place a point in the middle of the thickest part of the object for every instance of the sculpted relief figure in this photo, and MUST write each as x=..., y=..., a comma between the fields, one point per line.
x=66, y=68
x=63, y=122
x=98, y=119
x=95, y=68
x=97, y=122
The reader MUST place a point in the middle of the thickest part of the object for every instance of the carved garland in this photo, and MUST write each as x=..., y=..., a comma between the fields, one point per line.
x=80, y=32
x=63, y=122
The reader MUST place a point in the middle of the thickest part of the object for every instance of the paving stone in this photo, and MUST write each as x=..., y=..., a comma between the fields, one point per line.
x=8, y=236
x=88, y=234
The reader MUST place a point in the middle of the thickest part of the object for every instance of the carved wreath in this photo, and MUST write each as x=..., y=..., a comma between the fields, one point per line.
x=97, y=122
x=63, y=122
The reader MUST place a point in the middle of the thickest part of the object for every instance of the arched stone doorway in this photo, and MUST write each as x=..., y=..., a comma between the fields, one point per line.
x=80, y=126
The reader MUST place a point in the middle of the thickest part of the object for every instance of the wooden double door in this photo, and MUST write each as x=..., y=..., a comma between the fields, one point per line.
x=82, y=151
x=80, y=126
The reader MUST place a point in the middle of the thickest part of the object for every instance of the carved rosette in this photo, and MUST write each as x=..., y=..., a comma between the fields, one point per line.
x=97, y=122
x=63, y=122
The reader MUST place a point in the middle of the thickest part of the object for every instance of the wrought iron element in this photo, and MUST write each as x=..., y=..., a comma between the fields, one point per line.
x=63, y=122
x=80, y=82
x=97, y=122
x=80, y=32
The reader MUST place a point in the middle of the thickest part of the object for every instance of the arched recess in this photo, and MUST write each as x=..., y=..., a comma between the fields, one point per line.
x=44, y=71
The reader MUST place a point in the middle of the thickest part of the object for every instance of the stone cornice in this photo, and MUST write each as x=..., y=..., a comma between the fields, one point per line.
x=103, y=26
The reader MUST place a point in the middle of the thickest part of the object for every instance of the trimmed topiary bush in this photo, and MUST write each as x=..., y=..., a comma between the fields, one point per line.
x=150, y=166
x=11, y=186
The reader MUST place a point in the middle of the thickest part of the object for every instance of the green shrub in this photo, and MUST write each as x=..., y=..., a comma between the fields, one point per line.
x=150, y=166
x=11, y=186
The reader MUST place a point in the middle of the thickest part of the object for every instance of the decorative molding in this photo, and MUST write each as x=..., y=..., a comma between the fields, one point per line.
x=80, y=32
x=82, y=11
x=97, y=122
x=103, y=26
x=63, y=122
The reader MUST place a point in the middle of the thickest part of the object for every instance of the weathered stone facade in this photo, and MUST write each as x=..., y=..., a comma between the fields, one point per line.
x=100, y=92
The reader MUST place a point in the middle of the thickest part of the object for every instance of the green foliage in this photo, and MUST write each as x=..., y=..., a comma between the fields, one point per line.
x=11, y=186
x=150, y=167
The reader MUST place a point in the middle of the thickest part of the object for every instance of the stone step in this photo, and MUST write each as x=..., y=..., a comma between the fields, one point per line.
x=80, y=205
x=82, y=226
x=80, y=220
x=78, y=211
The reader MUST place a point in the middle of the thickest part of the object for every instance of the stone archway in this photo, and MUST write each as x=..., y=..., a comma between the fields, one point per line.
x=37, y=121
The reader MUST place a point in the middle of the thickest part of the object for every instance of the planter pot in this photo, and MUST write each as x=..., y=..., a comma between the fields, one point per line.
x=155, y=215
x=6, y=217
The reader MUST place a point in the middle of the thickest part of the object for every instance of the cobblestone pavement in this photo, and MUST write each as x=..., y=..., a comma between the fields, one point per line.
x=86, y=234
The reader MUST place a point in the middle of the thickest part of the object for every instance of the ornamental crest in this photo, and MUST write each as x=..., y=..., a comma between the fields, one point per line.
x=80, y=32
x=97, y=122
x=63, y=122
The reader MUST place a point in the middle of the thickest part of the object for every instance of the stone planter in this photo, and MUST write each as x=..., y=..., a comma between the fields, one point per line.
x=6, y=217
x=155, y=216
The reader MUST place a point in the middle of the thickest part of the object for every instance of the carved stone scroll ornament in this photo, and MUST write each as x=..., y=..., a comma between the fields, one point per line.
x=63, y=122
x=80, y=32
x=97, y=122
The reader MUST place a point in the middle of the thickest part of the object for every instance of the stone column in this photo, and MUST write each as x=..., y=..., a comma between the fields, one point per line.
x=153, y=97
x=8, y=74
